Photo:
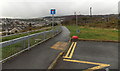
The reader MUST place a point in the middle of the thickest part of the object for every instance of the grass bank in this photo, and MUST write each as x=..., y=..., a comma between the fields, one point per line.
x=94, y=33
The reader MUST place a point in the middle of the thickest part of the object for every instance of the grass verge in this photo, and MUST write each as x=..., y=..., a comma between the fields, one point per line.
x=94, y=33
x=21, y=45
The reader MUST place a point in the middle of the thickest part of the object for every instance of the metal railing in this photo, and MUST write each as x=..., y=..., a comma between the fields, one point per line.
x=25, y=32
x=13, y=47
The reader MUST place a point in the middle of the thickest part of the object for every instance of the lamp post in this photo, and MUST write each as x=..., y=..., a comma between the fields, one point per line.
x=75, y=13
x=90, y=11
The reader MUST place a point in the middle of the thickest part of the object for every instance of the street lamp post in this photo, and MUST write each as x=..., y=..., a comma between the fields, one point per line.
x=90, y=11
x=78, y=31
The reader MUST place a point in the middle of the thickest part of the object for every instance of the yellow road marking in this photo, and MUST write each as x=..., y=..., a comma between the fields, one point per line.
x=97, y=67
x=72, y=49
x=83, y=62
x=94, y=68
x=71, y=54
x=101, y=65
x=66, y=56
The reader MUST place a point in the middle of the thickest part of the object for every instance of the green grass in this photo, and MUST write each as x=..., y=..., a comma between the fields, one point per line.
x=93, y=33
x=14, y=48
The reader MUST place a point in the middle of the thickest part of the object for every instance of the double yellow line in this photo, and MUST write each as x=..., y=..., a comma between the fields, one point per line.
x=99, y=65
x=69, y=55
x=71, y=50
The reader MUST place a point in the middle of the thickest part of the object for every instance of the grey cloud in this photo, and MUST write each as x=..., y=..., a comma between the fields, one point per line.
x=39, y=8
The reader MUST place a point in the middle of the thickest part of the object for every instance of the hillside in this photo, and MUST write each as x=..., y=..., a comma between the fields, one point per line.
x=102, y=21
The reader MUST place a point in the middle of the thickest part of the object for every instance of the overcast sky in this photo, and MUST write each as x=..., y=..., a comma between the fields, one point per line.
x=40, y=8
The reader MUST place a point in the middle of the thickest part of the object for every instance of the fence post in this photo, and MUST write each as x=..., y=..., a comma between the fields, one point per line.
x=53, y=32
x=28, y=41
x=44, y=36
x=24, y=44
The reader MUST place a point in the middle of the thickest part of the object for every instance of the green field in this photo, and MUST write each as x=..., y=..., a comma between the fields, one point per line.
x=93, y=33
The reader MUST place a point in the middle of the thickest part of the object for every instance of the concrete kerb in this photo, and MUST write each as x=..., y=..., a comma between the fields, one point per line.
x=14, y=55
x=59, y=56
x=81, y=39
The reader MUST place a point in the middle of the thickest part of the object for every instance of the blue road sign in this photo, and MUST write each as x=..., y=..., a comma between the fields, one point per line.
x=52, y=11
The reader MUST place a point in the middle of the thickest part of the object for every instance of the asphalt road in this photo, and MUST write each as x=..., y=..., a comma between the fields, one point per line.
x=39, y=57
x=98, y=52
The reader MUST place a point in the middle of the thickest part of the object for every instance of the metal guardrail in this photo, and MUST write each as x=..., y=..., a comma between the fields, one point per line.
x=10, y=42
x=18, y=45
x=22, y=33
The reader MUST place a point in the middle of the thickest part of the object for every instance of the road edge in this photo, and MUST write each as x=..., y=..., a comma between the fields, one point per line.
x=81, y=39
x=52, y=65
x=27, y=49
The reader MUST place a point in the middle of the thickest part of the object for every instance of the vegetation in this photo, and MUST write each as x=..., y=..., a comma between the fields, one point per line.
x=16, y=47
x=21, y=35
x=98, y=21
x=93, y=33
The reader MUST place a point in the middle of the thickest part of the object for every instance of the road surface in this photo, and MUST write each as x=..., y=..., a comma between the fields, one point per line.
x=94, y=52
x=39, y=57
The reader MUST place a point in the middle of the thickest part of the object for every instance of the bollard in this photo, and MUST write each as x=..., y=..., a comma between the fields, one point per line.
x=74, y=38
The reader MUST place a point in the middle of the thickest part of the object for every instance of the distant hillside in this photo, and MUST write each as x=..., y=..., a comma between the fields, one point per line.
x=73, y=16
x=104, y=21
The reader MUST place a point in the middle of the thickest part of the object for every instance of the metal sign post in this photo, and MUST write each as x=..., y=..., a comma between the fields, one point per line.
x=53, y=21
x=52, y=11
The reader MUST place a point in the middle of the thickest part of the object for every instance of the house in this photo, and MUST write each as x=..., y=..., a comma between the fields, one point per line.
x=15, y=30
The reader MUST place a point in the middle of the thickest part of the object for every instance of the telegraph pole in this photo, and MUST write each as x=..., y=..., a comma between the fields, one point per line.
x=75, y=17
x=91, y=11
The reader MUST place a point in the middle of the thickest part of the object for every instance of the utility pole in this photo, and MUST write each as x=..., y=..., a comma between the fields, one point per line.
x=75, y=17
x=91, y=11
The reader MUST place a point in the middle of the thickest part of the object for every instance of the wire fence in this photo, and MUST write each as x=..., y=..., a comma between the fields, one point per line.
x=13, y=47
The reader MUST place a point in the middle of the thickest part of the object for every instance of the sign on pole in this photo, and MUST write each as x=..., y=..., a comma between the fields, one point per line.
x=52, y=11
